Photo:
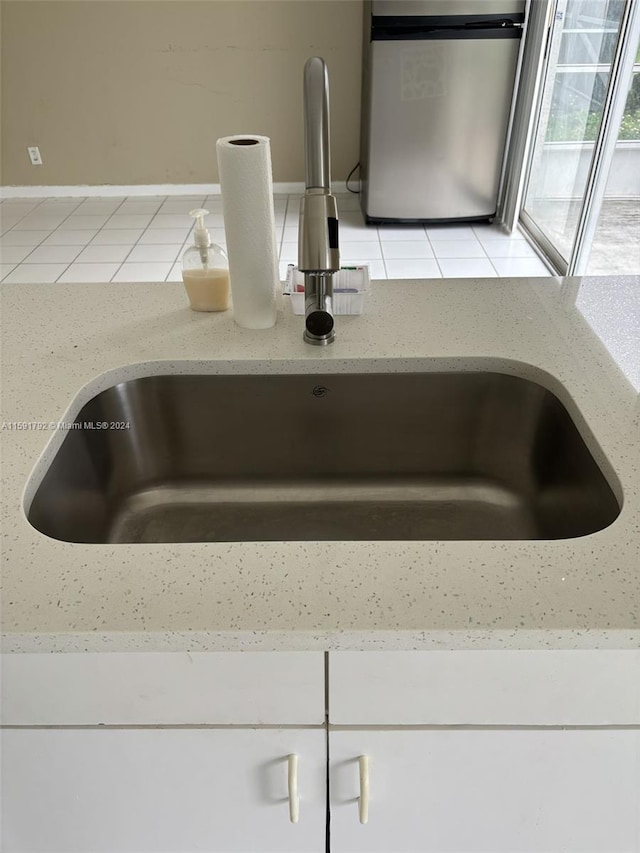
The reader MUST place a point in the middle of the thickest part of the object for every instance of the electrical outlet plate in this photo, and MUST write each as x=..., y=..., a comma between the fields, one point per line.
x=34, y=155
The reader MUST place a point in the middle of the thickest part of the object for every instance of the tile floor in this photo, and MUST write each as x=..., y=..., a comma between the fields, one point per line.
x=143, y=238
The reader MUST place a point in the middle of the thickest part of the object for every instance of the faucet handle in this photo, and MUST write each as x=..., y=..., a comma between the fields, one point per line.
x=318, y=248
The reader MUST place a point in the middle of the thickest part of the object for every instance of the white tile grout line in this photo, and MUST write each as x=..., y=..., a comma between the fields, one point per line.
x=95, y=235
x=57, y=228
x=162, y=200
x=103, y=227
x=485, y=251
x=51, y=231
x=476, y=238
x=35, y=207
x=437, y=260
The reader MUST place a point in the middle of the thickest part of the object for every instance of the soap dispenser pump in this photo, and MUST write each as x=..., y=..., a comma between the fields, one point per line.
x=205, y=270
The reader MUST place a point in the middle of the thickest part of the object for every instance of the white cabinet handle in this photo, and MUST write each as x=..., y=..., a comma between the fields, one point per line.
x=363, y=802
x=294, y=797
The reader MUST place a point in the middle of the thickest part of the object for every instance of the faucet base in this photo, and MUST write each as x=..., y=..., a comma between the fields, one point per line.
x=319, y=324
x=318, y=341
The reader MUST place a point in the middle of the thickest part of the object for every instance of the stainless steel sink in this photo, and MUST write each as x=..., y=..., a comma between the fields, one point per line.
x=300, y=457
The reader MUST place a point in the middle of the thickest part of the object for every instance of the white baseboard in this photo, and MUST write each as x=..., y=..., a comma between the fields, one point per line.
x=111, y=190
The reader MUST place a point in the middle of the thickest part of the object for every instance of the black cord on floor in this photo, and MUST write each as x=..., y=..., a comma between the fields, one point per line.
x=355, y=192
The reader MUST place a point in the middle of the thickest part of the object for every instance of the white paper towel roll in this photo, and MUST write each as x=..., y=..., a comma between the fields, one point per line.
x=244, y=167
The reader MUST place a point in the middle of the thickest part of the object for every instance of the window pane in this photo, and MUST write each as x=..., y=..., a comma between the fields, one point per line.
x=593, y=14
x=630, y=129
x=587, y=48
x=576, y=106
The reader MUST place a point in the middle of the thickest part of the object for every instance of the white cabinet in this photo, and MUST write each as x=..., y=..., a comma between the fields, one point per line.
x=486, y=751
x=162, y=753
x=487, y=791
x=468, y=752
x=161, y=791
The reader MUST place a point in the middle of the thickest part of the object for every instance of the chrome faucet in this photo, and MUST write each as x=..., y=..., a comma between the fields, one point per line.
x=318, y=255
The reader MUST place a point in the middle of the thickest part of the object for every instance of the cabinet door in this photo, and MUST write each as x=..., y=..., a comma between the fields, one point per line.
x=161, y=791
x=487, y=791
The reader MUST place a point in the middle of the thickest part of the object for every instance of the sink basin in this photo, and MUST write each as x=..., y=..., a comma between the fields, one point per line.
x=310, y=457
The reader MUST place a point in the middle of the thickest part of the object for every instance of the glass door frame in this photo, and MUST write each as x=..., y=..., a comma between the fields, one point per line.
x=524, y=131
x=536, y=33
x=619, y=84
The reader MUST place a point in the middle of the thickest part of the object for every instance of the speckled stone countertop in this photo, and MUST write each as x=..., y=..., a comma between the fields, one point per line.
x=61, y=344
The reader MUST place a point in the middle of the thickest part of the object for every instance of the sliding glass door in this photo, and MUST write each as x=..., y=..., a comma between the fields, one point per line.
x=615, y=247
x=587, y=67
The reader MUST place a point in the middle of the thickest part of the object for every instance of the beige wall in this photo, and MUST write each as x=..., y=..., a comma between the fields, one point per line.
x=137, y=91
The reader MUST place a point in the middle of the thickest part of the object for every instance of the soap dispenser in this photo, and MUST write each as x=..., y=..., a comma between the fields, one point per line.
x=205, y=270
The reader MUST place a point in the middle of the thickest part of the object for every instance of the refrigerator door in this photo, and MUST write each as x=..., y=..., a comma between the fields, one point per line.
x=435, y=124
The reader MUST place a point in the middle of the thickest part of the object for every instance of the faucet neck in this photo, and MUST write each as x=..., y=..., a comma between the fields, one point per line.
x=316, y=125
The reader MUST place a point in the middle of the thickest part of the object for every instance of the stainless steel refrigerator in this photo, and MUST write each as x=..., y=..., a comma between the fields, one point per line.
x=438, y=81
